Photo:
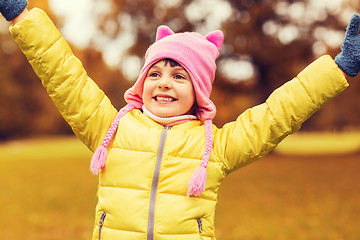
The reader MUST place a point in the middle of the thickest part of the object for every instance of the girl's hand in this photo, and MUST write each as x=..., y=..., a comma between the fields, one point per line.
x=21, y=16
x=10, y=9
x=348, y=59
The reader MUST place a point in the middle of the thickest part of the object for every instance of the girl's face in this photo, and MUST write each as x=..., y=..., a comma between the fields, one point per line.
x=168, y=91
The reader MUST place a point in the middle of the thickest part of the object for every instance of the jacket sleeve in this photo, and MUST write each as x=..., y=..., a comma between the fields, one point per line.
x=82, y=104
x=258, y=130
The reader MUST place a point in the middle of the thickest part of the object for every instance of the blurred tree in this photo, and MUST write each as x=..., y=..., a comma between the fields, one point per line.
x=266, y=44
x=25, y=108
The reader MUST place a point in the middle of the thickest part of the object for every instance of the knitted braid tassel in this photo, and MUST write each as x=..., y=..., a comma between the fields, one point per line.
x=98, y=159
x=196, y=184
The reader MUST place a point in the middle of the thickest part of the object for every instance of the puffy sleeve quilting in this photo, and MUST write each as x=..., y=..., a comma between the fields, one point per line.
x=258, y=130
x=80, y=101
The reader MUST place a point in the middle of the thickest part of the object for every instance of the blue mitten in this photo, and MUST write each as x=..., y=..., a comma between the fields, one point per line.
x=10, y=9
x=348, y=59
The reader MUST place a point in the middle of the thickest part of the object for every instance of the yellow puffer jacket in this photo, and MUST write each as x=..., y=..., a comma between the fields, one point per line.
x=142, y=190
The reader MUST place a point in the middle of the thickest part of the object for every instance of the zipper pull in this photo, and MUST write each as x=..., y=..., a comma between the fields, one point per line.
x=199, y=225
x=102, y=219
x=101, y=223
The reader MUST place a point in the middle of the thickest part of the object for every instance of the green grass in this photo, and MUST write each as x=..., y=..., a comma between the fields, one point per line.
x=47, y=190
x=48, y=193
x=292, y=198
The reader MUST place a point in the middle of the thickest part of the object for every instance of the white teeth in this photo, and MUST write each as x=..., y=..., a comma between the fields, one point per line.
x=164, y=99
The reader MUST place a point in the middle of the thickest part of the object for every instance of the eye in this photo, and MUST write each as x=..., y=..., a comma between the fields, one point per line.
x=154, y=74
x=179, y=76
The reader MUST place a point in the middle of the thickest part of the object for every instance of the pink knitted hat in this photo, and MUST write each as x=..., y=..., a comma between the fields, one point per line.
x=197, y=54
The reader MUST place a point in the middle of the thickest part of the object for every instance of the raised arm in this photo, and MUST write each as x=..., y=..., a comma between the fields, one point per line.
x=258, y=130
x=82, y=104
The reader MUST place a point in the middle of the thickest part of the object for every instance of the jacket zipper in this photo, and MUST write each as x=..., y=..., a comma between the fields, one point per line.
x=199, y=222
x=154, y=185
x=101, y=223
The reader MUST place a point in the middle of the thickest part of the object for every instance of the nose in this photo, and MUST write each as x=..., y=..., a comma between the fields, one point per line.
x=164, y=83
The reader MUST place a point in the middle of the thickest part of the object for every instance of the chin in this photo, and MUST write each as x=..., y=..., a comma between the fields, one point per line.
x=164, y=115
x=162, y=112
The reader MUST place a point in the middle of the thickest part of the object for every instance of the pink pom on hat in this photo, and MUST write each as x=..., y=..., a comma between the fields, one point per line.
x=197, y=54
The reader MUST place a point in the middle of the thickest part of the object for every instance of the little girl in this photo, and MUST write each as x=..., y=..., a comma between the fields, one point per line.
x=160, y=159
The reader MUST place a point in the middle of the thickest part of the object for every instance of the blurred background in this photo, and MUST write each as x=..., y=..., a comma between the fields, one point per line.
x=308, y=189
x=266, y=44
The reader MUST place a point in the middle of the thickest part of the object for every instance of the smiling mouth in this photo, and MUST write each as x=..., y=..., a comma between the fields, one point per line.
x=164, y=99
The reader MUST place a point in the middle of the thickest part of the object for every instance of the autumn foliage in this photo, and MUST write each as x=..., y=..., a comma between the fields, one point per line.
x=253, y=34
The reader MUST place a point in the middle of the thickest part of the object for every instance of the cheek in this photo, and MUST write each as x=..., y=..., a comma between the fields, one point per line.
x=147, y=93
x=190, y=95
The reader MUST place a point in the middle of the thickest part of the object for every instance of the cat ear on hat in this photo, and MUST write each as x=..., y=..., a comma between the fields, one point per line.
x=163, y=31
x=216, y=37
